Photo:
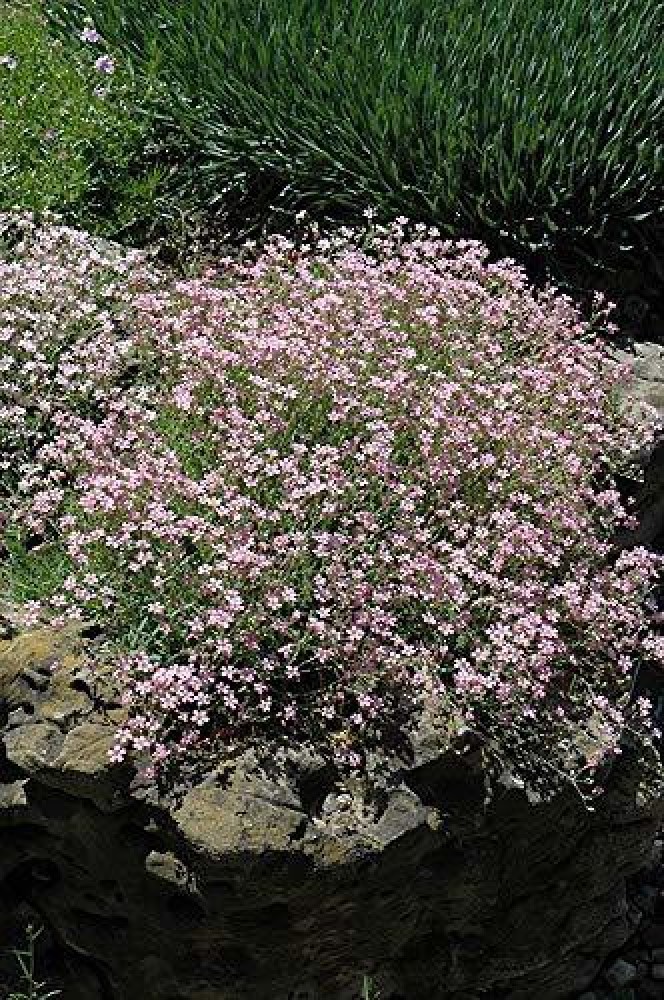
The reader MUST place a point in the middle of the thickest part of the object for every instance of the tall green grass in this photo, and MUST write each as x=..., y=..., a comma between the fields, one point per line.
x=532, y=124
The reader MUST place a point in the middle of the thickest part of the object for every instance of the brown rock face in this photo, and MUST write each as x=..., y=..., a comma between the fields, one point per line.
x=273, y=883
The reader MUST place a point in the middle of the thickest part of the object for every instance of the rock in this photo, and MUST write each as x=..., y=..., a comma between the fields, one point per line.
x=656, y=854
x=657, y=972
x=14, y=805
x=642, y=967
x=634, y=915
x=83, y=768
x=33, y=746
x=262, y=820
x=271, y=878
x=646, y=898
x=41, y=668
x=647, y=363
x=65, y=704
x=168, y=869
x=403, y=812
x=649, y=990
x=653, y=935
x=621, y=974
x=646, y=389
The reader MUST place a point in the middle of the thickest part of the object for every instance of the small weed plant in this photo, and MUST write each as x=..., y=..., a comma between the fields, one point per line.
x=316, y=489
x=369, y=992
x=32, y=989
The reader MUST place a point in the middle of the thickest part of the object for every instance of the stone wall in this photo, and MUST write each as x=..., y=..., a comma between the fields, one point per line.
x=270, y=883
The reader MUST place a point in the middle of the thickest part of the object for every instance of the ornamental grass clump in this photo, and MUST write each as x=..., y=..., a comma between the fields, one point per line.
x=531, y=125
x=342, y=481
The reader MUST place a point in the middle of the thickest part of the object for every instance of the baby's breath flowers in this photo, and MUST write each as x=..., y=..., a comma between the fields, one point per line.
x=310, y=493
x=105, y=64
x=90, y=35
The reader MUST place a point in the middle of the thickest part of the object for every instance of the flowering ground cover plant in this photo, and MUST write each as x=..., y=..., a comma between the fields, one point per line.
x=312, y=490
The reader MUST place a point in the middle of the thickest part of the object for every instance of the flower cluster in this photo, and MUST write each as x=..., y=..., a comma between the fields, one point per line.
x=90, y=35
x=104, y=63
x=63, y=302
x=315, y=491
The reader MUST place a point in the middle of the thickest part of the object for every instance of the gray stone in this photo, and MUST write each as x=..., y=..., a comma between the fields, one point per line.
x=14, y=806
x=646, y=898
x=652, y=935
x=648, y=989
x=82, y=767
x=646, y=361
x=33, y=746
x=646, y=389
x=169, y=870
x=656, y=854
x=621, y=973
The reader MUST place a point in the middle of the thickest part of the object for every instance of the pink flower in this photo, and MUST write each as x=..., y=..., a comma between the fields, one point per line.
x=105, y=64
x=90, y=34
x=325, y=486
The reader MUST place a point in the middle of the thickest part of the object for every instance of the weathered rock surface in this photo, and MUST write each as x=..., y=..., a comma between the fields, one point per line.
x=646, y=361
x=273, y=883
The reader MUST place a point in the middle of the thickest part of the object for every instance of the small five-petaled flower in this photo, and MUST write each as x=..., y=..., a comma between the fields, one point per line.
x=90, y=34
x=105, y=65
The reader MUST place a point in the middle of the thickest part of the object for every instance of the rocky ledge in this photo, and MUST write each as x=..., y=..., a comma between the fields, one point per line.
x=275, y=883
